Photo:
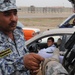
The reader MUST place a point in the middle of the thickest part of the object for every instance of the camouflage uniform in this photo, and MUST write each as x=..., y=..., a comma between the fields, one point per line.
x=11, y=54
x=6, y=5
x=51, y=66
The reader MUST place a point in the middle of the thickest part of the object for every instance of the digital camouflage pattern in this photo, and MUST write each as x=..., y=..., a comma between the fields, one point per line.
x=11, y=54
x=6, y=5
x=51, y=66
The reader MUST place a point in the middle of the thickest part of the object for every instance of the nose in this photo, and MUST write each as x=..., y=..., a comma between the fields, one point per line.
x=13, y=17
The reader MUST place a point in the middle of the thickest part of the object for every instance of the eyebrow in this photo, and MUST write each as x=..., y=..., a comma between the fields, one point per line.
x=9, y=11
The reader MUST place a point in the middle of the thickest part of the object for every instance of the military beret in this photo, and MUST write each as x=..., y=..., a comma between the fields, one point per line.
x=6, y=5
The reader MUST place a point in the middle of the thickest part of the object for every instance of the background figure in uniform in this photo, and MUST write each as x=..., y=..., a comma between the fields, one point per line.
x=14, y=57
x=73, y=24
x=47, y=52
x=59, y=42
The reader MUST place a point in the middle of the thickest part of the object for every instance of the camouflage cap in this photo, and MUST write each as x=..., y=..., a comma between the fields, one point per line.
x=6, y=5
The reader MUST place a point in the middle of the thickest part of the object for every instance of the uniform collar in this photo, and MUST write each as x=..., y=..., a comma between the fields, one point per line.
x=3, y=37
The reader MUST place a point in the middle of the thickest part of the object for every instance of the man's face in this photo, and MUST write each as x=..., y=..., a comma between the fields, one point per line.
x=8, y=20
x=50, y=42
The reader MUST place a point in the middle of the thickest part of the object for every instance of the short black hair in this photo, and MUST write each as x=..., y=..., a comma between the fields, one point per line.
x=51, y=38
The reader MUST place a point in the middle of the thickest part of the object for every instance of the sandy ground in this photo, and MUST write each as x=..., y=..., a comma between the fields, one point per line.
x=42, y=21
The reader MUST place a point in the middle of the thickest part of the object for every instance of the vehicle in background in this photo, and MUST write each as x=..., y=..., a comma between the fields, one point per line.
x=40, y=41
x=28, y=32
x=68, y=23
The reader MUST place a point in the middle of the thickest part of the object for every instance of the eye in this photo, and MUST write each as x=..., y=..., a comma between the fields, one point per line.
x=15, y=12
x=8, y=13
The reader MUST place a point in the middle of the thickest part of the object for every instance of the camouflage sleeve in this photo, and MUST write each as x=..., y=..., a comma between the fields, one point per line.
x=8, y=67
x=11, y=59
x=0, y=71
x=51, y=66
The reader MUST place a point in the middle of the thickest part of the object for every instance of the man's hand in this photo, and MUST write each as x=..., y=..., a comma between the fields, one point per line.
x=32, y=61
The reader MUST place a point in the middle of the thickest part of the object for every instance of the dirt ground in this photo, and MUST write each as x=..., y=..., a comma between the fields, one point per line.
x=42, y=23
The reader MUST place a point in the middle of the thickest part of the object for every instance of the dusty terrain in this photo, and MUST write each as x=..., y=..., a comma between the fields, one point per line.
x=42, y=23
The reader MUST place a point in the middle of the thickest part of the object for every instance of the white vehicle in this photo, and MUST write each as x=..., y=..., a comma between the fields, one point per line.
x=38, y=42
x=68, y=23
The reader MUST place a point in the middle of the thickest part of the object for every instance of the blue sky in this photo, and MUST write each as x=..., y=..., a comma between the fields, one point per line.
x=43, y=3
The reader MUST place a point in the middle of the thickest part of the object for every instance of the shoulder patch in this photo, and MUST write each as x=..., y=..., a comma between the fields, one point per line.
x=5, y=52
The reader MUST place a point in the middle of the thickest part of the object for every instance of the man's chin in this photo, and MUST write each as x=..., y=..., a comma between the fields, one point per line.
x=11, y=29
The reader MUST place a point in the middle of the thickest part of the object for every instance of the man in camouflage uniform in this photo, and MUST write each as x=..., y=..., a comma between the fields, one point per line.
x=14, y=59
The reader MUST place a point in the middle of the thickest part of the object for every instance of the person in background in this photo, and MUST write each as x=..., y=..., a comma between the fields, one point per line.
x=73, y=24
x=14, y=56
x=47, y=52
x=59, y=42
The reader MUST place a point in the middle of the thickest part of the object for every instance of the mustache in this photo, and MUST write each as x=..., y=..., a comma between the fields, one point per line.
x=13, y=23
